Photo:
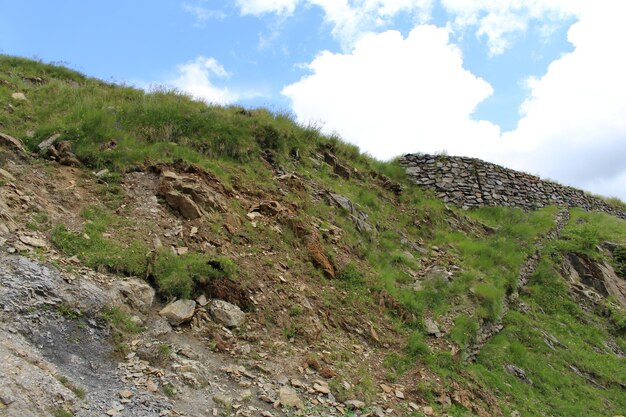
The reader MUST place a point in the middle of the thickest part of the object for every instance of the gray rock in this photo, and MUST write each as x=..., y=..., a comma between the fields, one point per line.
x=289, y=398
x=355, y=404
x=179, y=311
x=133, y=292
x=432, y=328
x=49, y=142
x=226, y=313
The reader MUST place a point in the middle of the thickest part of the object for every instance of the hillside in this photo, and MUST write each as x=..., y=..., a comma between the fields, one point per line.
x=159, y=256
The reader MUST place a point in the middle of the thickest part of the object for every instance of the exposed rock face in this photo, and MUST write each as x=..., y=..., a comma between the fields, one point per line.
x=359, y=218
x=179, y=311
x=469, y=182
x=191, y=195
x=585, y=274
x=227, y=314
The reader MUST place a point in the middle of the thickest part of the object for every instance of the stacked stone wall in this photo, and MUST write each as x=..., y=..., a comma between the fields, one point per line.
x=469, y=182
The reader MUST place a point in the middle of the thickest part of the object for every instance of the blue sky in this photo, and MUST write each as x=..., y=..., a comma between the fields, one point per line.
x=535, y=85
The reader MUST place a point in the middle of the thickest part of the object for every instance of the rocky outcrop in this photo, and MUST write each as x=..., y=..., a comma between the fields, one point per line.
x=469, y=182
x=594, y=279
x=190, y=194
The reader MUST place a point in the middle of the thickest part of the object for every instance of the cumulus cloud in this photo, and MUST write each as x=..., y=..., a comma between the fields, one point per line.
x=573, y=126
x=195, y=77
x=498, y=21
x=392, y=95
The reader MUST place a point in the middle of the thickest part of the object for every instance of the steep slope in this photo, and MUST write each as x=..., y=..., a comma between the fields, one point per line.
x=362, y=293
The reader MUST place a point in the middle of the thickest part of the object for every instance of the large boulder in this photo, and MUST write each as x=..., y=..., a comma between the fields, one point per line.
x=227, y=314
x=289, y=398
x=133, y=292
x=179, y=312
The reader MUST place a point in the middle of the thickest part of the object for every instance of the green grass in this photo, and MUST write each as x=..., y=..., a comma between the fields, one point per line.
x=483, y=248
x=556, y=388
x=119, y=320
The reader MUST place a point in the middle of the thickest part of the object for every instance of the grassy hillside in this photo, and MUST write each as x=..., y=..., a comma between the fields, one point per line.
x=399, y=259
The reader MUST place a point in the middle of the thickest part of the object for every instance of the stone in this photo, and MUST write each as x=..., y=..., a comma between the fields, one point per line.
x=386, y=388
x=126, y=394
x=289, y=398
x=399, y=394
x=6, y=175
x=431, y=327
x=518, y=372
x=48, y=142
x=223, y=400
x=133, y=292
x=428, y=411
x=32, y=241
x=101, y=173
x=11, y=142
x=355, y=404
x=321, y=387
x=183, y=204
x=202, y=301
x=19, y=96
x=160, y=327
x=179, y=311
x=151, y=386
x=227, y=314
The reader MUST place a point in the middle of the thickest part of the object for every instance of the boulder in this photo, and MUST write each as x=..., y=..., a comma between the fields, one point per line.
x=227, y=314
x=179, y=311
x=182, y=203
x=289, y=398
x=432, y=328
x=133, y=292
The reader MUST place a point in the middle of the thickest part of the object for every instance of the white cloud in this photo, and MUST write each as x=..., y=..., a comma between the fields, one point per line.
x=500, y=21
x=260, y=7
x=574, y=122
x=392, y=95
x=349, y=19
x=195, y=78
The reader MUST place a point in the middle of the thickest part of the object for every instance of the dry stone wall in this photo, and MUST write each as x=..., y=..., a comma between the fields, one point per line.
x=469, y=182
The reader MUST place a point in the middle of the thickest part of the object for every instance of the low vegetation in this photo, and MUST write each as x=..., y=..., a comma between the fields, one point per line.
x=420, y=258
